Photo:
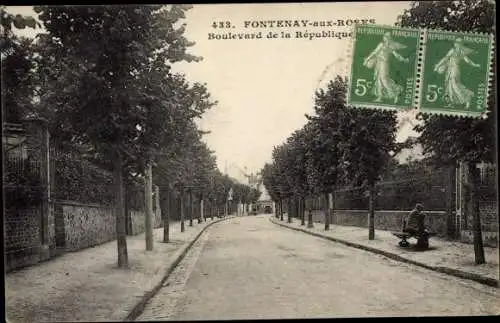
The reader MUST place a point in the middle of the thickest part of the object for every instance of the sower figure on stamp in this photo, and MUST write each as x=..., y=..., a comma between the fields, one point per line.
x=378, y=60
x=456, y=92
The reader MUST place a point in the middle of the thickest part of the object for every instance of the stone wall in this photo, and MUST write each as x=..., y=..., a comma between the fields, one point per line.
x=52, y=230
x=489, y=224
x=87, y=225
x=36, y=230
x=158, y=223
x=489, y=215
x=138, y=221
x=490, y=239
x=436, y=221
x=79, y=226
x=22, y=243
x=384, y=220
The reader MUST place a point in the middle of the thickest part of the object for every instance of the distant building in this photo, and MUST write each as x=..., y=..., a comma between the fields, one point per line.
x=264, y=204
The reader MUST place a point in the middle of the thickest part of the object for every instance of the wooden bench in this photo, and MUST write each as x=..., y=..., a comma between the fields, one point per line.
x=422, y=239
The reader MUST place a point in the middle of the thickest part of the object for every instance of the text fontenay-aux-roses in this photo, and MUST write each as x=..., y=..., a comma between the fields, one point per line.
x=286, y=25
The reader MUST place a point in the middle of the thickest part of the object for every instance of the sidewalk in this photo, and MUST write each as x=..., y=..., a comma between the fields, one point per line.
x=449, y=257
x=87, y=286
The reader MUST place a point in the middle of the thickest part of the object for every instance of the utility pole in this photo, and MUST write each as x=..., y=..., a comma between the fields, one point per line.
x=149, y=206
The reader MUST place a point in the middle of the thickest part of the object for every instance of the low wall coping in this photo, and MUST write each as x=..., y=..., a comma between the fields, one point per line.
x=75, y=203
x=387, y=211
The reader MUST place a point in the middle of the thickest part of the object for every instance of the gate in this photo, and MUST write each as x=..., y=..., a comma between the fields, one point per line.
x=24, y=194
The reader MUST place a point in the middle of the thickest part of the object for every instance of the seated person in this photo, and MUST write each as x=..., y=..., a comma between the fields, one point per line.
x=415, y=221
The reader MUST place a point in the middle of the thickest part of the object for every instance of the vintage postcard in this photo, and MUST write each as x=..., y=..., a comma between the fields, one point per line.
x=249, y=161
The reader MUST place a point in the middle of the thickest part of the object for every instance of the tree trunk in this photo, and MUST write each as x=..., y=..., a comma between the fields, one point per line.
x=202, y=209
x=371, y=211
x=289, y=209
x=181, y=207
x=148, y=195
x=310, y=216
x=326, y=208
x=332, y=221
x=121, y=236
x=166, y=218
x=190, y=208
x=302, y=211
x=197, y=211
x=281, y=209
x=476, y=219
x=297, y=207
x=128, y=222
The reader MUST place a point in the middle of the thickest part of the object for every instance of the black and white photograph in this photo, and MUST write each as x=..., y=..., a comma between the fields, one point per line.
x=192, y=162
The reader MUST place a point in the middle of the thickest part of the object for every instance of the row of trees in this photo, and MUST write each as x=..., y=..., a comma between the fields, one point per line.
x=101, y=77
x=338, y=146
x=346, y=146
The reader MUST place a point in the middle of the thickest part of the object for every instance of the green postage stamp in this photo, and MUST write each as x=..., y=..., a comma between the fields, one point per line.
x=438, y=72
x=455, y=73
x=384, y=67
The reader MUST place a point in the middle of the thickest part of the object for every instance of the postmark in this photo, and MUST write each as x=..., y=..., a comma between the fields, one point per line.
x=456, y=73
x=383, y=70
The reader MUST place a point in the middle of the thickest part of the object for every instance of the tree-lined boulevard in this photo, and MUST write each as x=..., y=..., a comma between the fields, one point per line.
x=132, y=218
x=249, y=268
x=345, y=147
x=106, y=90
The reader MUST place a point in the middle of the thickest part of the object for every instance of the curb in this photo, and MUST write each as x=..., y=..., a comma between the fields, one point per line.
x=445, y=270
x=139, y=307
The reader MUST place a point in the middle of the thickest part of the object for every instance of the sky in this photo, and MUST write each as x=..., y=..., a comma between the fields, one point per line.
x=264, y=87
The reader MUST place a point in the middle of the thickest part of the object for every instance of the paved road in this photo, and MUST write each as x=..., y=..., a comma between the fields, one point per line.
x=249, y=268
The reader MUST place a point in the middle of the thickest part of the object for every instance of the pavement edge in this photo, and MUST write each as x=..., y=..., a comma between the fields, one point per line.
x=139, y=307
x=445, y=270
